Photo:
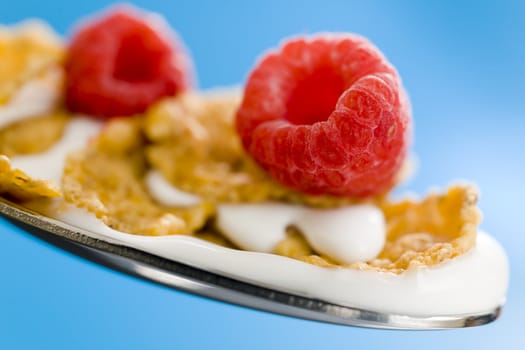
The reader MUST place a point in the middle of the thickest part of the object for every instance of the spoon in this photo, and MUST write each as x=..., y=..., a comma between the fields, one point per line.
x=190, y=279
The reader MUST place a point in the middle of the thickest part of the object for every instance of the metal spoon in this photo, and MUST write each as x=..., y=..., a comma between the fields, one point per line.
x=183, y=277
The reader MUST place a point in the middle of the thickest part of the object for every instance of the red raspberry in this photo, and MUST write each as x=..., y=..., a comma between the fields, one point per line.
x=121, y=63
x=326, y=115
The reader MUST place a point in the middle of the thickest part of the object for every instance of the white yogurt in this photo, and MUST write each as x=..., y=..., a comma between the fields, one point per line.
x=256, y=227
x=49, y=165
x=349, y=234
x=34, y=98
x=452, y=287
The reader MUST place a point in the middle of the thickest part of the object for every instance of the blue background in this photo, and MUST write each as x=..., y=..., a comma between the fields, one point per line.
x=463, y=65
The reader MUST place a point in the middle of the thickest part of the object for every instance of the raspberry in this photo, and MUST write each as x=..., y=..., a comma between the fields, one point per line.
x=121, y=63
x=326, y=115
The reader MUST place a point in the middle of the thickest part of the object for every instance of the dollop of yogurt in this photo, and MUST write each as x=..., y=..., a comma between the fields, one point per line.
x=348, y=234
x=256, y=227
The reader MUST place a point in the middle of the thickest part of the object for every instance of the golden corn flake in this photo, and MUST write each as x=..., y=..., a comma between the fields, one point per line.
x=32, y=135
x=26, y=52
x=17, y=185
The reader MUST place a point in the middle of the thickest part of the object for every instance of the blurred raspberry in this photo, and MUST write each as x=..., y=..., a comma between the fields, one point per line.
x=122, y=62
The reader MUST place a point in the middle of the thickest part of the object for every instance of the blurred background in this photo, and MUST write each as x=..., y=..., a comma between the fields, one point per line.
x=463, y=66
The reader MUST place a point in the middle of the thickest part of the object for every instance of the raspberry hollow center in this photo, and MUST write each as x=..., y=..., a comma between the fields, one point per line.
x=314, y=97
x=135, y=61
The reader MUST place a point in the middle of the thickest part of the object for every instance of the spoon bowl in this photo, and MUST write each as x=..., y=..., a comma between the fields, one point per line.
x=197, y=281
